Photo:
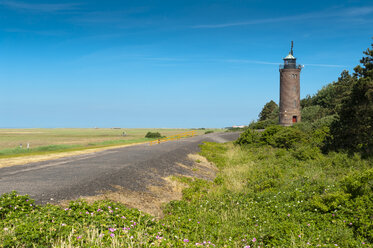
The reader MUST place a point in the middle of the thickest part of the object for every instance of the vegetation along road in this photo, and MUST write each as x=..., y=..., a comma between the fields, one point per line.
x=132, y=168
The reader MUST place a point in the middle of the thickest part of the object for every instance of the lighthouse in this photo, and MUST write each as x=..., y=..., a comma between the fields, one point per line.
x=290, y=90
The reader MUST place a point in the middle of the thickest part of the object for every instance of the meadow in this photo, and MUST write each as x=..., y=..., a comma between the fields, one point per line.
x=43, y=141
x=262, y=196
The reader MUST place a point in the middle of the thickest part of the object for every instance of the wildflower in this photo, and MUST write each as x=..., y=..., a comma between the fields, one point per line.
x=186, y=240
x=112, y=235
x=335, y=245
x=87, y=212
x=308, y=224
x=63, y=224
x=299, y=236
x=112, y=229
x=197, y=222
x=288, y=215
x=247, y=246
x=254, y=240
x=6, y=229
x=131, y=237
x=79, y=237
x=350, y=224
x=98, y=210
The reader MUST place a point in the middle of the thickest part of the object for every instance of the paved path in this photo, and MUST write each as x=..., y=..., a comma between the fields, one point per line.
x=133, y=168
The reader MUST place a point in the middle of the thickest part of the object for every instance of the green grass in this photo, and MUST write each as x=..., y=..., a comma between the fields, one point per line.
x=45, y=141
x=41, y=150
x=261, y=197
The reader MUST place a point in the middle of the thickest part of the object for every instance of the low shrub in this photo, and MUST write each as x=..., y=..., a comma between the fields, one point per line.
x=288, y=138
x=209, y=131
x=153, y=135
x=248, y=137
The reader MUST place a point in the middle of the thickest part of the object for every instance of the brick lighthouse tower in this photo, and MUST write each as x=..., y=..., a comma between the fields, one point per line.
x=290, y=90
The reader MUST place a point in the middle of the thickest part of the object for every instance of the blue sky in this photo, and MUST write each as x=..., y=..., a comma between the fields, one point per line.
x=166, y=63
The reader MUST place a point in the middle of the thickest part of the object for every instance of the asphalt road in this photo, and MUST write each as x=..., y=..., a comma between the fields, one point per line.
x=133, y=168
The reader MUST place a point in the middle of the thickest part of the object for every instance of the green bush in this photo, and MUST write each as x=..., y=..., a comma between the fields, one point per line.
x=288, y=138
x=268, y=133
x=306, y=152
x=209, y=131
x=313, y=113
x=263, y=124
x=247, y=137
x=152, y=135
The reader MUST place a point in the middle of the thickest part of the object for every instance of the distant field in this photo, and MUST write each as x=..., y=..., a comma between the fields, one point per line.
x=59, y=139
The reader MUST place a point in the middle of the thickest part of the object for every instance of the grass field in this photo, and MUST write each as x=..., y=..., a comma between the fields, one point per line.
x=67, y=139
x=262, y=197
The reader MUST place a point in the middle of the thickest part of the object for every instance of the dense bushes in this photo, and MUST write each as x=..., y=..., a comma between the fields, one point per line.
x=153, y=135
x=247, y=137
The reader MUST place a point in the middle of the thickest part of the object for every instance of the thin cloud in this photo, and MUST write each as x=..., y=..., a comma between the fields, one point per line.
x=246, y=61
x=326, y=65
x=38, y=32
x=349, y=12
x=47, y=7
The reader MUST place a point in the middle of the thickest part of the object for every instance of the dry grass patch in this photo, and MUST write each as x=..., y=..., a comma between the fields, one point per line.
x=150, y=201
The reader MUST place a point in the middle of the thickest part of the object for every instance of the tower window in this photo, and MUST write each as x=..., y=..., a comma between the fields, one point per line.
x=295, y=103
x=294, y=76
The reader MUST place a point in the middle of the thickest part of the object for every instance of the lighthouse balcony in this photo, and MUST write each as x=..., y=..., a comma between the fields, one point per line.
x=291, y=66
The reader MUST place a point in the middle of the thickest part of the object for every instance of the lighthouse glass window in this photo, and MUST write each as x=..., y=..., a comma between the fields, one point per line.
x=294, y=76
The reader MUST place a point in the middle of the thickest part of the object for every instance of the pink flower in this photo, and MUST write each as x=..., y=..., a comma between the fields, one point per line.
x=186, y=240
x=254, y=240
x=79, y=237
x=112, y=235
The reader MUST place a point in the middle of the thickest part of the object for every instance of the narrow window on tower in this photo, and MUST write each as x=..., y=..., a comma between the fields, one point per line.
x=294, y=76
x=295, y=103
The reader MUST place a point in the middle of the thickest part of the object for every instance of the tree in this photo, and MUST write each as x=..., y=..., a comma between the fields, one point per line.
x=353, y=130
x=268, y=111
x=366, y=69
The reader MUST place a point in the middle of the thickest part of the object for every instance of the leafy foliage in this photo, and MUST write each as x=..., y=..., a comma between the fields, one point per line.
x=269, y=111
x=153, y=135
x=247, y=137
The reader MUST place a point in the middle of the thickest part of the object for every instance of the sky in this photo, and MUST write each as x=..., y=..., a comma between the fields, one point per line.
x=167, y=64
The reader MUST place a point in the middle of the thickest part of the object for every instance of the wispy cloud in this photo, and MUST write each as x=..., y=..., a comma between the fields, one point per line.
x=41, y=7
x=326, y=65
x=38, y=32
x=347, y=12
x=246, y=61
